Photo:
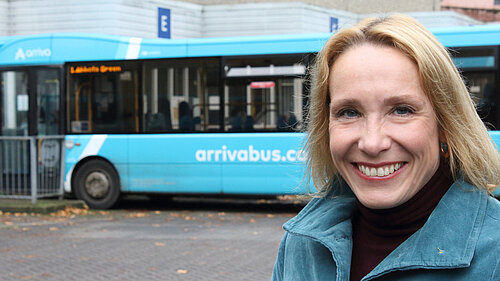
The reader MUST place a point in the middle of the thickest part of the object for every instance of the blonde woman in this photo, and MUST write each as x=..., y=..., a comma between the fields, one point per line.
x=402, y=162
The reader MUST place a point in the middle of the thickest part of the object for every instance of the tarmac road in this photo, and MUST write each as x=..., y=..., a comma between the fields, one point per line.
x=179, y=239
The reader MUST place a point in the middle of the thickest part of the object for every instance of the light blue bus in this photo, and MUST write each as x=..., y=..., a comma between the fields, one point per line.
x=188, y=116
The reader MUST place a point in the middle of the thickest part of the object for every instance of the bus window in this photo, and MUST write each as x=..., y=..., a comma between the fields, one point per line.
x=103, y=98
x=14, y=103
x=479, y=67
x=179, y=96
x=47, y=87
x=271, y=105
x=264, y=93
x=482, y=87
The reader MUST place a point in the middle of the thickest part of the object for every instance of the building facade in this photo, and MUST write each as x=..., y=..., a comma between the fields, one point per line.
x=483, y=10
x=210, y=18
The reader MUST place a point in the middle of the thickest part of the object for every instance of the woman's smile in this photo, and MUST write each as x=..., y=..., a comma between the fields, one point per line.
x=378, y=171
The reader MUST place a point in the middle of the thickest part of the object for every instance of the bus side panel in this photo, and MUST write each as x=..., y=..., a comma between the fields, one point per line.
x=263, y=164
x=263, y=179
x=110, y=147
x=251, y=163
x=26, y=50
x=167, y=163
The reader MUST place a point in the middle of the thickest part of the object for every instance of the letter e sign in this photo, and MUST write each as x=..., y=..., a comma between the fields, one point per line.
x=164, y=21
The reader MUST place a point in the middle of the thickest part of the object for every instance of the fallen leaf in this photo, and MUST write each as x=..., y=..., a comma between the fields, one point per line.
x=182, y=271
x=137, y=215
x=5, y=250
x=159, y=244
x=252, y=221
x=69, y=212
x=53, y=228
x=8, y=223
x=155, y=225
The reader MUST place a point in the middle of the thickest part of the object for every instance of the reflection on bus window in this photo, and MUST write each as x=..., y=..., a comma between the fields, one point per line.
x=271, y=105
x=104, y=102
x=181, y=96
x=264, y=93
x=48, y=88
x=482, y=88
x=14, y=103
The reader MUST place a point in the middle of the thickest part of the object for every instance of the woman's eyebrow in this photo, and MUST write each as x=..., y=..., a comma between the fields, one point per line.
x=405, y=98
x=344, y=102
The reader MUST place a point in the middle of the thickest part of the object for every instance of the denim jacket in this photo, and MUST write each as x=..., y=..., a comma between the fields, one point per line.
x=459, y=241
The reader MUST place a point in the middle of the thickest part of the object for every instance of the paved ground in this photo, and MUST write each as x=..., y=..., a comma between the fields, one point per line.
x=194, y=239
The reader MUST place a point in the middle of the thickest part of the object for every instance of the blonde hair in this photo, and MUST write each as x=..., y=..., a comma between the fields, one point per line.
x=473, y=154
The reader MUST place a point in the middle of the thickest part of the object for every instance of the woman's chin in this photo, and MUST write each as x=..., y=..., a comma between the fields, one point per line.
x=380, y=201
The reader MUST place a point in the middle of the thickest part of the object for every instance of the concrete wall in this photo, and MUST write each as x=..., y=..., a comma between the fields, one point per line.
x=355, y=6
x=443, y=19
x=140, y=18
x=119, y=17
x=270, y=18
x=35, y=16
x=4, y=17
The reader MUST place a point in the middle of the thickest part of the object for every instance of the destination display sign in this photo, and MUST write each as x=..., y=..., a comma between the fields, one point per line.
x=94, y=69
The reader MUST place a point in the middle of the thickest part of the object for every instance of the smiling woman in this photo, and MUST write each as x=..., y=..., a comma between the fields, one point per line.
x=402, y=162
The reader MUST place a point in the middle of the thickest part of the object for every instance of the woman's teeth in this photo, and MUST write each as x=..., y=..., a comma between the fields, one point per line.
x=380, y=171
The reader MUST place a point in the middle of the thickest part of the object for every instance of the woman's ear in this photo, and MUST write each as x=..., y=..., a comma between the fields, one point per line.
x=443, y=145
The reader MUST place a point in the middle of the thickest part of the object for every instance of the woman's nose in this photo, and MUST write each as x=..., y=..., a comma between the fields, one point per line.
x=373, y=139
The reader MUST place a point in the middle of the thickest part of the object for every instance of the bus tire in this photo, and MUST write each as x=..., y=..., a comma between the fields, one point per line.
x=96, y=182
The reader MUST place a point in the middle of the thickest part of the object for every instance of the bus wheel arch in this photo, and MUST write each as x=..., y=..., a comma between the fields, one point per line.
x=95, y=181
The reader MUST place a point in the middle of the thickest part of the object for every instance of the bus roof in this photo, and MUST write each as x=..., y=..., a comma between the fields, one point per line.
x=58, y=48
x=466, y=36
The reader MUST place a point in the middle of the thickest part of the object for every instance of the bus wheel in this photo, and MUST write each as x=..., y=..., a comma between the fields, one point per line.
x=96, y=183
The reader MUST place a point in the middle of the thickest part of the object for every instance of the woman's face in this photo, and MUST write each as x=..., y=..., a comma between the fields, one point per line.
x=384, y=136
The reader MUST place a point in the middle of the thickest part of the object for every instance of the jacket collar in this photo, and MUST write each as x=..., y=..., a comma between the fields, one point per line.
x=447, y=240
x=327, y=220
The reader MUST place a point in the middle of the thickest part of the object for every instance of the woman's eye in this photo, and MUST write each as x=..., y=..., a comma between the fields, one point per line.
x=403, y=110
x=347, y=113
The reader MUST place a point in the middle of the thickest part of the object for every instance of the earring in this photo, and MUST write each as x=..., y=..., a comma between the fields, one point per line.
x=444, y=149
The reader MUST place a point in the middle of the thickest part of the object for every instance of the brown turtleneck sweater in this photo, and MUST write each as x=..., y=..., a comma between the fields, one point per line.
x=376, y=233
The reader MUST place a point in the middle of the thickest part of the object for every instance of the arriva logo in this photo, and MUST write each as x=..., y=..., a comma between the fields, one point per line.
x=32, y=53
